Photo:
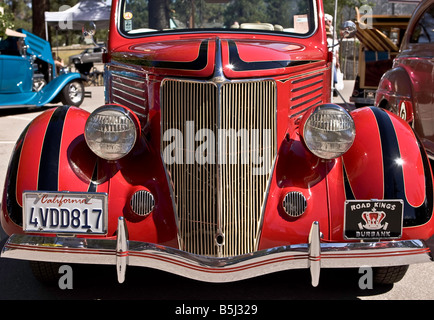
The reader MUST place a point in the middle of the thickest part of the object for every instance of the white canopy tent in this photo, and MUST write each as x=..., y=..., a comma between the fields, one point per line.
x=73, y=18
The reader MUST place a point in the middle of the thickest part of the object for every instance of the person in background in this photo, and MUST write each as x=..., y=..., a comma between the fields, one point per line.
x=332, y=43
x=58, y=62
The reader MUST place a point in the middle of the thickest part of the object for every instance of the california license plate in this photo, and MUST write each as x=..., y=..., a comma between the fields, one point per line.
x=65, y=212
x=373, y=219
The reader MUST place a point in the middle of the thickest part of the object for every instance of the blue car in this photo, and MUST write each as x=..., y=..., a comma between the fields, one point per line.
x=28, y=74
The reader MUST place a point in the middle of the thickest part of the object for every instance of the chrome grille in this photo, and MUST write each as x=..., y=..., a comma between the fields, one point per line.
x=222, y=197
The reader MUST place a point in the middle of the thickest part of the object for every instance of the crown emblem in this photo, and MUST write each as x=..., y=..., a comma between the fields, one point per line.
x=373, y=220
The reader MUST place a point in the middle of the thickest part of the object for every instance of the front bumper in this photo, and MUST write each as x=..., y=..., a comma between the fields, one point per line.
x=122, y=252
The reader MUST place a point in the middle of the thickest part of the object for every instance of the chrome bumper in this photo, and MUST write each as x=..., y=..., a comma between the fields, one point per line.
x=122, y=252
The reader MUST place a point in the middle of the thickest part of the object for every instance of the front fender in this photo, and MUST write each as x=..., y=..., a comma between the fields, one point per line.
x=394, y=88
x=387, y=161
x=53, y=88
x=47, y=156
x=52, y=155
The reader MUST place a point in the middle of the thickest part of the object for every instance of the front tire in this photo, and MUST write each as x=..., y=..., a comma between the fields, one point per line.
x=389, y=275
x=73, y=93
x=46, y=272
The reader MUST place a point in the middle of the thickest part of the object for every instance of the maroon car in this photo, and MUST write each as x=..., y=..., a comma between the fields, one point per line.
x=407, y=89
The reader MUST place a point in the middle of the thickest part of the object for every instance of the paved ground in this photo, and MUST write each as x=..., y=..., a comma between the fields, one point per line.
x=16, y=281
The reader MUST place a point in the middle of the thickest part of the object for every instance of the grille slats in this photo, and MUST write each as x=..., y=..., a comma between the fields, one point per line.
x=130, y=92
x=225, y=194
x=306, y=92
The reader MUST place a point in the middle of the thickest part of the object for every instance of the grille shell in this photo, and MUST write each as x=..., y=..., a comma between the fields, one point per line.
x=223, y=196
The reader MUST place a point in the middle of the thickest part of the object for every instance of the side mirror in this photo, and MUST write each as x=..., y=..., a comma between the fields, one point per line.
x=89, y=30
x=348, y=29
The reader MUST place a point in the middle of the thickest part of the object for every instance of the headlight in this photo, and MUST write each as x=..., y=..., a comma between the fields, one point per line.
x=111, y=132
x=328, y=131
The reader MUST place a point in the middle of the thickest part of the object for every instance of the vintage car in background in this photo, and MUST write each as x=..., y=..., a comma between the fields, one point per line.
x=28, y=74
x=407, y=88
x=380, y=37
x=219, y=157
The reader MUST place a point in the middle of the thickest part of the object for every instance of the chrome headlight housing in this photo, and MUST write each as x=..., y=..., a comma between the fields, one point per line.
x=328, y=131
x=111, y=131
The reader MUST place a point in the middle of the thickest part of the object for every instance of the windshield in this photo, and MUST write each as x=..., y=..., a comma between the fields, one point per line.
x=282, y=16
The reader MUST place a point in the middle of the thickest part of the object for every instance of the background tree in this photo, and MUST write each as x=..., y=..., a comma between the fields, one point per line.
x=38, y=22
x=19, y=13
x=345, y=9
x=246, y=11
x=159, y=14
x=60, y=37
x=6, y=21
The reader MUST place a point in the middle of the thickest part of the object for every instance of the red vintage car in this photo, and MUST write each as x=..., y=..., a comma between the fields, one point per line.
x=407, y=89
x=218, y=156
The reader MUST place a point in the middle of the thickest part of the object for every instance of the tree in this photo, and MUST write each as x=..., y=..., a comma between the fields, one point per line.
x=343, y=6
x=6, y=21
x=282, y=12
x=20, y=13
x=246, y=11
x=159, y=14
x=38, y=8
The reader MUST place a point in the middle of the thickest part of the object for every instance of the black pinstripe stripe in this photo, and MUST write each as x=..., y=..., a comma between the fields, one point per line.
x=196, y=65
x=240, y=65
x=93, y=183
x=349, y=195
x=14, y=209
x=394, y=185
x=49, y=162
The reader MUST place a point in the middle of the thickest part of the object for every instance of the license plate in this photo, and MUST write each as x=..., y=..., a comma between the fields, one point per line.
x=65, y=212
x=373, y=219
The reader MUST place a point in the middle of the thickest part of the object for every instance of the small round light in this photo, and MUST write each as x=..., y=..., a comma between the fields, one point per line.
x=111, y=132
x=328, y=131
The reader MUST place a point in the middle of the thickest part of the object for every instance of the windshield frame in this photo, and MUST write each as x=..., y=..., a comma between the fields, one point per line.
x=313, y=27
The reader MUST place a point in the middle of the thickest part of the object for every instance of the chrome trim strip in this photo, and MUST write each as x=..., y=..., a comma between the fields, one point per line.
x=264, y=204
x=219, y=79
x=252, y=33
x=212, y=269
x=393, y=95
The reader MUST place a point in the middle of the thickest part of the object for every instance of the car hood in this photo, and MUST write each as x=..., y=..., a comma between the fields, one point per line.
x=239, y=57
x=38, y=47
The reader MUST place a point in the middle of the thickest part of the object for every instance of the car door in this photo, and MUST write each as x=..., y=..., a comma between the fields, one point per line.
x=15, y=74
x=97, y=55
x=418, y=59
